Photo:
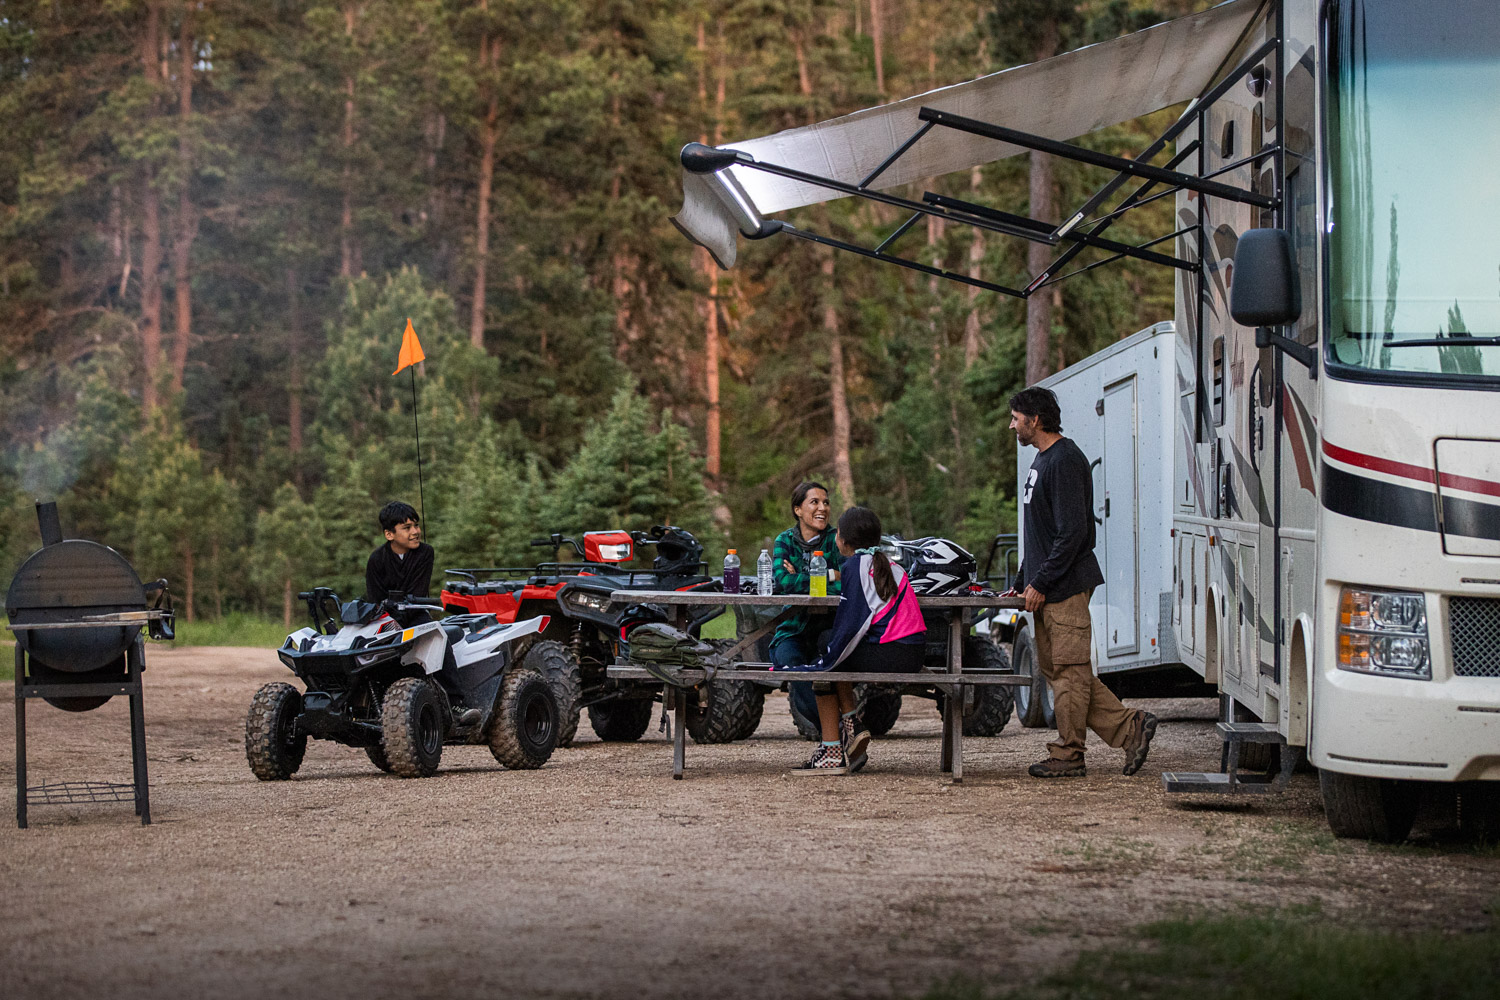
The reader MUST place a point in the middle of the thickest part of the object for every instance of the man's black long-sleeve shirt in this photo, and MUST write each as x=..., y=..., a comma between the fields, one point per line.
x=386, y=573
x=1058, y=520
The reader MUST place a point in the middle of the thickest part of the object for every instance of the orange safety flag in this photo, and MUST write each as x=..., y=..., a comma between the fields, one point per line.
x=411, y=349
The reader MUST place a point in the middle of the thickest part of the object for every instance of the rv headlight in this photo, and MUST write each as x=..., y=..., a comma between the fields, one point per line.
x=1383, y=632
x=589, y=600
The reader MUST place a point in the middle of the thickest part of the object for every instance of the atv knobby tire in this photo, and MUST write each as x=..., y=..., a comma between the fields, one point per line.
x=728, y=711
x=622, y=721
x=413, y=727
x=732, y=712
x=378, y=758
x=273, y=746
x=992, y=704
x=559, y=666
x=524, y=731
x=882, y=709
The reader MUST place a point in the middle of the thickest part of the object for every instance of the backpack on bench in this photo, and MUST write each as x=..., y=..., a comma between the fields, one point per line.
x=665, y=652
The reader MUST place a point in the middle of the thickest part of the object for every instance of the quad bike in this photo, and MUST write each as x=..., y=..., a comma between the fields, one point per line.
x=587, y=632
x=934, y=566
x=380, y=678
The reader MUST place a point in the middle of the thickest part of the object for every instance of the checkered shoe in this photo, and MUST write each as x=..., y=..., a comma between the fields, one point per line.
x=855, y=739
x=825, y=760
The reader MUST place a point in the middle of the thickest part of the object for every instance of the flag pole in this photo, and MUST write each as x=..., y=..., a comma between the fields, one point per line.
x=421, y=492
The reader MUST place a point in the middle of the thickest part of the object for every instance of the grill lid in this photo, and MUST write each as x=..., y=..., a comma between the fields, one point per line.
x=66, y=582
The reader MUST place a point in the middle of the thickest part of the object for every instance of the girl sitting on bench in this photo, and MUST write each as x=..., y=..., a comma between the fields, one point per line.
x=877, y=627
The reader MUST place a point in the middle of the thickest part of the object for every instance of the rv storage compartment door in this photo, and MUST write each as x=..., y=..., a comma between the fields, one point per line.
x=1121, y=524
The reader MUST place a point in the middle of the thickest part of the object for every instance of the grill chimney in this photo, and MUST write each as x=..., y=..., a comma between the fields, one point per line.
x=46, y=518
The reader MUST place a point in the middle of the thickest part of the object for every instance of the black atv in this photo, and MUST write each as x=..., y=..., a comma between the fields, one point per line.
x=386, y=678
x=587, y=633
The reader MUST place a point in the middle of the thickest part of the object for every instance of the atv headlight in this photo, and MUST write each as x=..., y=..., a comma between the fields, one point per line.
x=588, y=601
x=1383, y=632
x=285, y=658
x=367, y=659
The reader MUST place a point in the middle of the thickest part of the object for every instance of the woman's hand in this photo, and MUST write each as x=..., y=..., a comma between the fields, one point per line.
x=789, y=567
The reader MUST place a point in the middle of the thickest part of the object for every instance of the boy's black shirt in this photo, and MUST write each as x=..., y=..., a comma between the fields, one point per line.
x=1058, y=500
x=385, y=574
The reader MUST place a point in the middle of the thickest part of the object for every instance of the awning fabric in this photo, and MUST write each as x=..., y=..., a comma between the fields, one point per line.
x=1059, y=98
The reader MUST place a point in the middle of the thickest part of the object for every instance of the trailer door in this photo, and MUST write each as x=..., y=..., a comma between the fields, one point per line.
x=1121, y=521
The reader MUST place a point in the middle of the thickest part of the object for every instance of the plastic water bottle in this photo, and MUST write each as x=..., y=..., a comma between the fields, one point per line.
x=732, y=573
x=765, y=583
x=817, y=568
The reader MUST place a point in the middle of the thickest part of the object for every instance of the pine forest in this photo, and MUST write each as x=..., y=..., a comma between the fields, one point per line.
x=216, y=217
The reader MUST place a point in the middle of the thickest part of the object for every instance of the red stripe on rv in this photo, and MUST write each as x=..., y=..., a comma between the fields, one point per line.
x=1386, y=465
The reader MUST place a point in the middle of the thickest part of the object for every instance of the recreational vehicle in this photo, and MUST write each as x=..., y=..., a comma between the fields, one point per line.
x=1334, y=536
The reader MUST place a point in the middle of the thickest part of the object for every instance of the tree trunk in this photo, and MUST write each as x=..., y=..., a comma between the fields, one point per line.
x=1038, y=255
x=976, y=257
x=187, y=574
x=346, y=215
x=187, y=224
x=877, y=32
x=286, y=604
x=843, y=472
x=151, y=250
x=294, y=361
x=489, y=54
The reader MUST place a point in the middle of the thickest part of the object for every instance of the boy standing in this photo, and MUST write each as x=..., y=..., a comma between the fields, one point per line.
x=403, y=565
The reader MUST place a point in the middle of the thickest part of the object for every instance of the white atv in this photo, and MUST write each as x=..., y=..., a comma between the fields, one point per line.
x=383, y=677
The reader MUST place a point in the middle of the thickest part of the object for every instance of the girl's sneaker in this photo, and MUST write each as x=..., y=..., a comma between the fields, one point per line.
x=825, y=760
x=855, y=739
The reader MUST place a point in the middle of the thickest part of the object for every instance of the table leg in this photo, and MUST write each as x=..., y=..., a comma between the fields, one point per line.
x=956, y=699
x=679, y=735
x=20, y=740
x=136, y=659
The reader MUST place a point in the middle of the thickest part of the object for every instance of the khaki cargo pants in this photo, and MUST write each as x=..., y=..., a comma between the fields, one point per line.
x=1064, y=635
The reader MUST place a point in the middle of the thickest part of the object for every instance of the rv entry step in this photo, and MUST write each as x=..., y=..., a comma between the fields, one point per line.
x=1232, y=780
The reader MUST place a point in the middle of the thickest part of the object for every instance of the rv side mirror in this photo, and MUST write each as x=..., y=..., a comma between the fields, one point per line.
x=1265, y=291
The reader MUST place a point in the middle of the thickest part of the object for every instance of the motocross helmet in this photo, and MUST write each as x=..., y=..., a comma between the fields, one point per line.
x=677, y=551
x=933, y=565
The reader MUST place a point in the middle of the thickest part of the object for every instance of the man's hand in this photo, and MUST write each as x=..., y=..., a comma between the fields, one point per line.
x=1034, y=599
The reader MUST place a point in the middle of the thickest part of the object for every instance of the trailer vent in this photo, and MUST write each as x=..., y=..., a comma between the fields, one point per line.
x=1474, y=623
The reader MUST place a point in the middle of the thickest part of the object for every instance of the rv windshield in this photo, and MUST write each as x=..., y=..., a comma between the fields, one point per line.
x=1413, y=236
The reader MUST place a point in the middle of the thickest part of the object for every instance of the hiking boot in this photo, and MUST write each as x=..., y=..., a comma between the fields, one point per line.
x=1054, y=768
x=1139, y=745
x=825, y=760
x=855, y=739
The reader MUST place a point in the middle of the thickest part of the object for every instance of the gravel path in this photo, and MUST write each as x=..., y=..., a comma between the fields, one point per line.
x=599, y=876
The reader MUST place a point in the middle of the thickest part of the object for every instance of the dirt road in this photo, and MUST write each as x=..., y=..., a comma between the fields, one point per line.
x=598, y=876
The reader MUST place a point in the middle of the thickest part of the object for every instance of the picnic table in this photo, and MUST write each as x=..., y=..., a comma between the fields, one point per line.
x=960, y=611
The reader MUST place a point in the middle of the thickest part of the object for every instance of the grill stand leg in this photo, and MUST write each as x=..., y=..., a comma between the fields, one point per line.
x=20, y=740
x=136, y=658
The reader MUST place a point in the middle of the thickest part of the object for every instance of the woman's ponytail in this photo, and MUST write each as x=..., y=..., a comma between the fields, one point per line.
x=860, y=528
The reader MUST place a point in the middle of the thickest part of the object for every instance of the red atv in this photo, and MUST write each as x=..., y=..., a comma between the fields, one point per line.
x=586, y=631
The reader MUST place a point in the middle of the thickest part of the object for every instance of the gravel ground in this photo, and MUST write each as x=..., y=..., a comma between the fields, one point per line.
x=599, y=876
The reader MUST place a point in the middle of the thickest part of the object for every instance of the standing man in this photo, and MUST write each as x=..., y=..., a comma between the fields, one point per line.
x=1058, y=574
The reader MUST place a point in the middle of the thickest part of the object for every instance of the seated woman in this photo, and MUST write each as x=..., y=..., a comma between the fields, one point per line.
x=877, y=627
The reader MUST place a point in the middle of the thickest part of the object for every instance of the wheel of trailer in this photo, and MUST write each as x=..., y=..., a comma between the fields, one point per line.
x=560, y=667
x=882, y=708
x=1034, y=704
x=378, y=758
x=524, y=731
x=413, y=727
x=273, y=746
x=1379, y=809
x=623, y=721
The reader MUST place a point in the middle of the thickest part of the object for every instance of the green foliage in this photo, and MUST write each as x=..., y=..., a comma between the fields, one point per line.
x=1289, y=955
x=322, y=186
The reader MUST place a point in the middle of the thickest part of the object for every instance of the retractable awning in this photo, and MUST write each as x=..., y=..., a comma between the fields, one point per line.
x=895, y=144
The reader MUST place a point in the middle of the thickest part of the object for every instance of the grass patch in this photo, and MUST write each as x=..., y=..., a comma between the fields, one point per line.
x=7, y=670
x=721, y=627
x=1291, y=955
x=235, y=629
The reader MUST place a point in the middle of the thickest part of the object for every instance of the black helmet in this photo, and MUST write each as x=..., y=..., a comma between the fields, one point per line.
x=934, y=565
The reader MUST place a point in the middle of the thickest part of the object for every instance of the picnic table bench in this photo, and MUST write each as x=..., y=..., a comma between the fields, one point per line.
x=960, y=610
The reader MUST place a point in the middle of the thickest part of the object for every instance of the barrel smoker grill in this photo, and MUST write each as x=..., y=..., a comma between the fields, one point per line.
x=77, y=609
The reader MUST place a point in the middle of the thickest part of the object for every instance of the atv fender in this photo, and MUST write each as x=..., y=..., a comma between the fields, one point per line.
x=485, y=643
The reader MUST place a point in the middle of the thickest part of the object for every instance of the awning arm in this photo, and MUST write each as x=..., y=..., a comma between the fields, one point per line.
x=1193, y=113
x=1125, y=166
x=937, y=272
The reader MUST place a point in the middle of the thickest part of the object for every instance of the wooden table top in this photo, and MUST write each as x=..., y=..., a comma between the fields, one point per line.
x=701, y=597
